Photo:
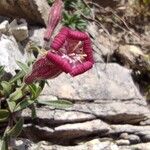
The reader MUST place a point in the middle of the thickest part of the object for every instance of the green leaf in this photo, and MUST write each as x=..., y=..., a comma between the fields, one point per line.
x=16, y=129
x=57, y=104
x=3, y=144
x=1, y=71
x=16, y=95
x=23, y=66
x=7, y=88
x=23, y=104
x=11, y=105
x=4, y=114
x=35, y=90
x=19, y=75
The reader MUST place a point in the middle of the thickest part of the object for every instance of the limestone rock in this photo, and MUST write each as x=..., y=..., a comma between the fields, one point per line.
x=133, y=57
x=9, y=53
x=82, y=129
x=66, y=132
x=109, y=93
x=36, y=35
x=141, y=131
x=4, y=26
x=19, y=30
x=143, y=146
x=95, y=144
x=123, y=142
x=34, y=11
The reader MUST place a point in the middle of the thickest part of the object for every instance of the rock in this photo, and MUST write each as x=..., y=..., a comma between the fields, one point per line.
x=142, y=146
x=36, y=35
x=4, y=26
x=132, y=138
x=140, y=131
x=66, y=132
x=116, y=81
x=102, y=45
x=124, y=136
x=9, y=53
x=19, y=29
x=133, y=57
x=146, y=138
x=55, y=116
x=106, y=91
x=95, y=144
x=123, y=142
x=145, y=122
x=34, y=11
x=82, y=129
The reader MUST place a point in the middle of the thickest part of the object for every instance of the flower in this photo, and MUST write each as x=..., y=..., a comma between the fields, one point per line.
x=54, y=17
x=71, y=52
x=42, y=69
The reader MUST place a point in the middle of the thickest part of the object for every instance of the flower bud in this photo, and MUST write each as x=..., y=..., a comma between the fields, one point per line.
x=54, y=18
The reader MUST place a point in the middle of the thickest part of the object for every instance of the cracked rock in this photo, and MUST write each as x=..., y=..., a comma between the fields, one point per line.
x=4, y=27
x=34, y=11
x=19, y=30
x=9, y=53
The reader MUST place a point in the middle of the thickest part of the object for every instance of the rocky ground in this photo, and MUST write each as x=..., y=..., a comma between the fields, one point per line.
x=109, y=111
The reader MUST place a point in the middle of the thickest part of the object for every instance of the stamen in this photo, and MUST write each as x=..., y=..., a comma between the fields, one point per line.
x=76, y=46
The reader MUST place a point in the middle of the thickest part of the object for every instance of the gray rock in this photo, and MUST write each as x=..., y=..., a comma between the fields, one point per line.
x=141, y=131
x=109, y=93
x=134, y=139
x=146, y=138
x=19, y=31
x=131, y=137
x=66, y=132
x=10, y=52
x=124, y=136
x=4, y=26
x=122, y=142
x=142, y=146
x=103, y=82
x=23, y=144
x=36, y=35
x=34, y=11
x=103, y=44
x=82, y=129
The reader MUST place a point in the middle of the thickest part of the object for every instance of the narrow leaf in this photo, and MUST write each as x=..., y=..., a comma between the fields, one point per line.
x=57, y=104
x=6, y=87
x=19, y=75
x=24, y=67
x=4, y=114
x=16, y=95
x=16, y=130
x=23, y=104
x=3, y=145
x=11, y=105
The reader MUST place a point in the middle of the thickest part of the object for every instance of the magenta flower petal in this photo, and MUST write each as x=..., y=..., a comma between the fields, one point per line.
x=54, y=17
x=88, y=50
x=77, y=35
x=81, y=68
x=60, y=39
x=42, y=69
x=72, y=51
x=61, y=63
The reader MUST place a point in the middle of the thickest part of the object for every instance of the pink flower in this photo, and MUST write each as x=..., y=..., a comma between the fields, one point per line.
x=54, y=17
x=72, y=52
x=42, y=69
